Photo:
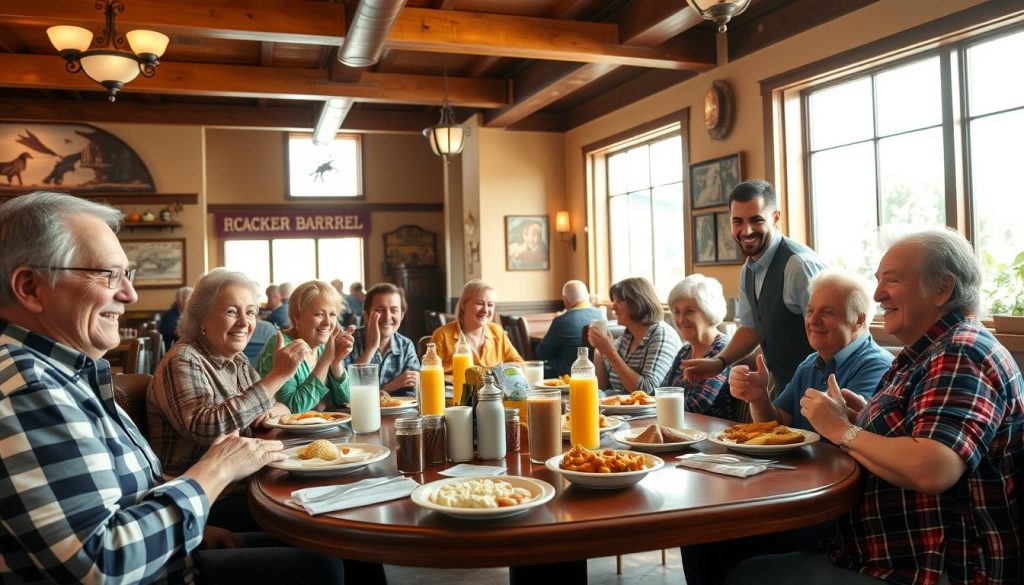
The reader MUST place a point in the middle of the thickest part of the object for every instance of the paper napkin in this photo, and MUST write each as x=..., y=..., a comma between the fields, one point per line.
x=734, y=469
x=467, y=470
x=332, y=498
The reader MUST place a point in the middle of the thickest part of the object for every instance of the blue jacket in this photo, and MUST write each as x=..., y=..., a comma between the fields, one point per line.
x=558, y=348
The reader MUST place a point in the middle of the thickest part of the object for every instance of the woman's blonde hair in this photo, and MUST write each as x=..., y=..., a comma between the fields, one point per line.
x=471, y=290
x=303, y=296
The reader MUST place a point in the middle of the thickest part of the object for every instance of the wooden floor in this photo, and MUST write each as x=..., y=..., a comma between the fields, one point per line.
x=637, y=569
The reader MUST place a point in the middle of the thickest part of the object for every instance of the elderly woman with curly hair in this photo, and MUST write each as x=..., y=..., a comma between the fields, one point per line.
x=313, y=313
x=640, y=358
x=698, y=306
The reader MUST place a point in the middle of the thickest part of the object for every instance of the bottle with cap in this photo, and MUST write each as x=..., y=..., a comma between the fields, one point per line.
x=490, y=421
x=584, y=409
x=431, y=383
x=462, y=360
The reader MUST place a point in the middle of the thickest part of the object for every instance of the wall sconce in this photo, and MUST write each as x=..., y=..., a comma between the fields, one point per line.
x=564, y=229
x=470, y=225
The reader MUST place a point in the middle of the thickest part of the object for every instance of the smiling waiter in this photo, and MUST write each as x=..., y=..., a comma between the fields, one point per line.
x=773, y=289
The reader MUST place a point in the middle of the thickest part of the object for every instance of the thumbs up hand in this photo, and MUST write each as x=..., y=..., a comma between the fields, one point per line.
x=826, y=410
x=746, y=385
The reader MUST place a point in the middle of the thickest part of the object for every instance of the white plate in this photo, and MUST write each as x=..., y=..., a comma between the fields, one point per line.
x=342, y=418
x=542, y=493
x=613, y=423
x=628, y=408
x=809, y=437
x=362, y=455
x=606, y=481
x=562, y=386
x=625, y=437
x=407, y=403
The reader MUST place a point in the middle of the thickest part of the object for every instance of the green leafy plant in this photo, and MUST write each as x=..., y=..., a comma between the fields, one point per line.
x=1007, y=295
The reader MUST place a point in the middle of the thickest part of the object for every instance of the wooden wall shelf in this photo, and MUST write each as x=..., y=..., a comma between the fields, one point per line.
x=151, y=225
x=116, y=199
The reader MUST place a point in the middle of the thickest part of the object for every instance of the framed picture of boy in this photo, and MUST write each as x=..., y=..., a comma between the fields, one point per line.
x=526, y=242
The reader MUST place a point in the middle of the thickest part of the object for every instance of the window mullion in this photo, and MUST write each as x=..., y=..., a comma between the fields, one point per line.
x=878, y=158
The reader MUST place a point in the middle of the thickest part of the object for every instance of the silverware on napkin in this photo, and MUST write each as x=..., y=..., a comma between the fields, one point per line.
x=336, y=493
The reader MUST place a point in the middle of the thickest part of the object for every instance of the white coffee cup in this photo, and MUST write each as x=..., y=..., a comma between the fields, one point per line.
x=600, y=325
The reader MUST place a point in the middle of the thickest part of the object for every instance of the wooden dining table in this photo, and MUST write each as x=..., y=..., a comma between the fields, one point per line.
x=670, y=507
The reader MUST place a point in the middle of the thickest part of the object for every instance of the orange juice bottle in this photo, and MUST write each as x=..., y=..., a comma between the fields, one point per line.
x=431, y=383
x=462, y=360
x=583, y=404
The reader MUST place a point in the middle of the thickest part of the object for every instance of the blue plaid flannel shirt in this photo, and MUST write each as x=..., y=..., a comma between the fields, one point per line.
x=81, y=498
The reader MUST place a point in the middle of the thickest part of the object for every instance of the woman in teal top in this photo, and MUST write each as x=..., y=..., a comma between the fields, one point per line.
x=313, y=312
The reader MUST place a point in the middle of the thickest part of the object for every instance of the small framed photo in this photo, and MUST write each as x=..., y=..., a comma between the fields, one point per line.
x=526, y=242
x=704, y=239
x=727, y=250
x=711, y=181
x=158, y=263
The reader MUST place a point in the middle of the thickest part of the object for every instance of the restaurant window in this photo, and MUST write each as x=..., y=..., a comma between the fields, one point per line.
x=331, y=170
x=296, y=260
x=645, y=210
x=879, y=144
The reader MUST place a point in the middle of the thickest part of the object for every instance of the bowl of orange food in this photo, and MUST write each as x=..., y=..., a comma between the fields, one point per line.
x=604, y=469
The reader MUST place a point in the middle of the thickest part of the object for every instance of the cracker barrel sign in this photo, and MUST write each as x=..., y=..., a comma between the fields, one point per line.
x=306, y=223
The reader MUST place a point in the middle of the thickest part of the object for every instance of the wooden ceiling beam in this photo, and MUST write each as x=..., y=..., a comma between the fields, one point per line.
x=644, y=22
x=47, y=72
x=526, y=37
x=644, y=85
x=747, y=36
x=284, y=21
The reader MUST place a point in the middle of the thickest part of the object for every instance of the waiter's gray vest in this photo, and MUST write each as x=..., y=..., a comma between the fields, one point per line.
x=780, y=331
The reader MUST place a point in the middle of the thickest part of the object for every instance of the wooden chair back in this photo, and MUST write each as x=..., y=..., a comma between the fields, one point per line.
x=130, y=394
x=157, y=350
x=421, y=345
x=433, y=320
x=519, y=333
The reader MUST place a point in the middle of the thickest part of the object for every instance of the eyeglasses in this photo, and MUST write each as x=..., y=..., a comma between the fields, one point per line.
x=114, y=275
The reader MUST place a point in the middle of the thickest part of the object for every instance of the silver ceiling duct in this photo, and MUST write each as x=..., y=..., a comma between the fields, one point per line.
x=370, y=26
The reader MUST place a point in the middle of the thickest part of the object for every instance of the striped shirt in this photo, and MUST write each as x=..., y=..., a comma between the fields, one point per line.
x=956, y=385
x=651, y=359
x=197, y=395
x=711, y=396
x=81, y=498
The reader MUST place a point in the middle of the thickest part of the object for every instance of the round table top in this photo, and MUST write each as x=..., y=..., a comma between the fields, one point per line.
x=671, y=507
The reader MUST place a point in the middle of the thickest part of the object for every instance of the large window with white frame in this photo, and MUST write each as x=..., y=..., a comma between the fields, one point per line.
x=927, y=141
x=645, y=210
x=296, y=260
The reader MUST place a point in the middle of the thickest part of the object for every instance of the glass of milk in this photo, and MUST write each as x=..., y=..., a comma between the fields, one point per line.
x=671, y=406
x=365, y=398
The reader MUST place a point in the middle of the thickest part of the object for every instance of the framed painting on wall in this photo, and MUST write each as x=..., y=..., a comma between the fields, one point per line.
x=727, y=250
x=526, y=242
x=704, y=239
x=711, y=181
x=158, y=263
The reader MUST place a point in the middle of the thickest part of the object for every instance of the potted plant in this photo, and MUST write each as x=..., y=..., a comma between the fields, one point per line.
x=1007, y=298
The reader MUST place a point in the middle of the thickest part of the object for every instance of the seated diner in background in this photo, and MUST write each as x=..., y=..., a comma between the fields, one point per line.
x=698, y=306
x=474, y=321
x=320, y=378
x=640, y=359
x=379, y=342
x=941, y=442
x=98, y=509
x=558, y=348
x=839, y=312
x=168, y=326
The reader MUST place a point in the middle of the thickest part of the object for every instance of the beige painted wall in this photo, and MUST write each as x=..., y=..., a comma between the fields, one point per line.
x=873, y=22
x=248, y=166
x=516, y=173
x=174, y=156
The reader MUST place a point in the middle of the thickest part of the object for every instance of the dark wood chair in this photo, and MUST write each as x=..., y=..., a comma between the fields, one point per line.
x=130, y=394
x=519, y=333
x=136, y=357
x=433, y=320
x=157, y=350
x=421, y=345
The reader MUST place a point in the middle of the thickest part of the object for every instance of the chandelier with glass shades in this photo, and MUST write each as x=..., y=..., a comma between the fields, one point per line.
x=109, y=65
x=719, y=11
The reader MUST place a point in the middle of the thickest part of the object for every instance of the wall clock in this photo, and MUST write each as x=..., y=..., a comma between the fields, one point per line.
x=719, y=109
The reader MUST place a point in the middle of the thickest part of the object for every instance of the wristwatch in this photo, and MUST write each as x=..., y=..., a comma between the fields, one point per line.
x=848, y=436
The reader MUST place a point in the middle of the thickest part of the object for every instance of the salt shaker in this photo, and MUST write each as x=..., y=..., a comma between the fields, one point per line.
x=490, y=422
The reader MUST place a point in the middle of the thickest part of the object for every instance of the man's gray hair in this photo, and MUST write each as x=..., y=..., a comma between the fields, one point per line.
x=34, y=232
x=859, y=298
x=286, y=288
x=945, y=252
x=183, y=292
x=575, y=291
x=205, y=294
x=707, y=292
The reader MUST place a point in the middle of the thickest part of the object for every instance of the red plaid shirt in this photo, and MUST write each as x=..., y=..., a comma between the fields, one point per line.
x=956, y=385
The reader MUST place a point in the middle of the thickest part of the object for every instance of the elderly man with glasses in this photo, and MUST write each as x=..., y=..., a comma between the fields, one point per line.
x=82, y=491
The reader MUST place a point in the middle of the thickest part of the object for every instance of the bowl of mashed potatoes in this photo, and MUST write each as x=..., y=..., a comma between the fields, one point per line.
x=475, y=498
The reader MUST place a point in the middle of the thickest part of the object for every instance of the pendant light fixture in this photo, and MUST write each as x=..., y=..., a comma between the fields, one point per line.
x=719, y=11
x=446, y=137
x=109, y=65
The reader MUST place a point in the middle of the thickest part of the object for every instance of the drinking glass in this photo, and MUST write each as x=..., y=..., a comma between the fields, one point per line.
x=365, y=398
x=671, y=406
x=535, y=372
